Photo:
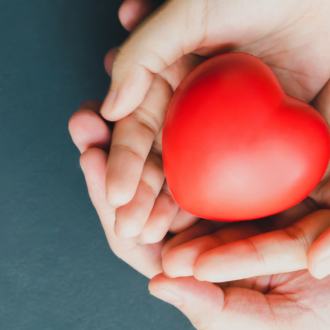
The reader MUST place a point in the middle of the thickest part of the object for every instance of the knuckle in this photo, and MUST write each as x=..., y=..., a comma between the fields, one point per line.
x=149, y=188
x=123, y=147
x=250, y=243
x=146, y=119
x=296, y=234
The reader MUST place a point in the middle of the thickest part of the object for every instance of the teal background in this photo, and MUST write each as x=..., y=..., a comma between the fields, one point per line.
x=56, y=269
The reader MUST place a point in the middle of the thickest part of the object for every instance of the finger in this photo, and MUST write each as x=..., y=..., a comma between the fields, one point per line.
x=131, y=218
x=145, y=259
x=160, y=219
x=132, y=12
x=150, y=49
x=208, y=307
x=318, y=258
x=198, y=301
x=88, y=129
x=108, y=60
x=177, y=71
x=275, y=252
x=180, y=261
x=182, y=221
x=93, y=163
x=132, y=139
x=201, y=228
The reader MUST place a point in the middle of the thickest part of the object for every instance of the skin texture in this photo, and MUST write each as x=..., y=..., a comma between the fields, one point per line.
x=294, y=300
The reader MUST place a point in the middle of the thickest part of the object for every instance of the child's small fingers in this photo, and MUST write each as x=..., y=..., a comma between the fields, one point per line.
x=132, y=12
x=160, y=219
x=88, y=129
x=132, y=140
x=131, y=218
x=145, y=259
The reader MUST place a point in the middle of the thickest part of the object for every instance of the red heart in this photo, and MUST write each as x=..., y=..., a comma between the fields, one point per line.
x=236, y=147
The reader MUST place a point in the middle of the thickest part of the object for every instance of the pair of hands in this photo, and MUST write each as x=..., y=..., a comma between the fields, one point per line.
x=292, y=40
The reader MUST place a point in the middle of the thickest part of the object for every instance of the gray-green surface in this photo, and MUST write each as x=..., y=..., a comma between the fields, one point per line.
x=56, y=269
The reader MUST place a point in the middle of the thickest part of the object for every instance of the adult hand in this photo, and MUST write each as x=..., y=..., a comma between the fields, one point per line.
x=295, y=301
x=292, y=37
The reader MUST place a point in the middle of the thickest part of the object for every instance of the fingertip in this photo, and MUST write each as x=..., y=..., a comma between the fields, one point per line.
x=199, y=270
x=318, y=257
x=92, y=157
x=132, y=12
x=128, y=13
x=198, y=275
x=321, y=269
x=157, y=282
x=108, y=60
x=88, y=130
x=108, y=106
x=127, y=93
x=177, y=263
x=118, y=195
x=73, y=128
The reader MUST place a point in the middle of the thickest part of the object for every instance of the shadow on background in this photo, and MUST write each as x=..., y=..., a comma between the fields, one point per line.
x=57, y=271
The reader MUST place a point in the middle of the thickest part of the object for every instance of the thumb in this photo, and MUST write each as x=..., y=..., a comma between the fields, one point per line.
x=174, y=30
x=201, y=302
x=208, y=307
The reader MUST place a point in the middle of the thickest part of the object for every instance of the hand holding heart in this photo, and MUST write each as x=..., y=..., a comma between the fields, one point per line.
x=159, y=55
x=302, y=72
x=235, y=147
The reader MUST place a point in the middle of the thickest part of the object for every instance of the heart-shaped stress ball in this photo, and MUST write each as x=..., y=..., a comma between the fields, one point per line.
x=236, y=147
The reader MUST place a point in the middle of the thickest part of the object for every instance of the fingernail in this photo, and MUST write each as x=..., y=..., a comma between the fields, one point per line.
x=323, y=268
x=109, y=102
x=168, y=296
